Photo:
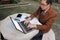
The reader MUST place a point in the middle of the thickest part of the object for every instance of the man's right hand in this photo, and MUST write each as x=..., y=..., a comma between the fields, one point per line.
x=27, y=21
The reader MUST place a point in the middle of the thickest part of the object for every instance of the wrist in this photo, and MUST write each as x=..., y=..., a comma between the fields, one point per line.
x=29, y=18
x=35, y=26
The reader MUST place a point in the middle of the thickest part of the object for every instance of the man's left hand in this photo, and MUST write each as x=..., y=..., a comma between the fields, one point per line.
x=32, y=26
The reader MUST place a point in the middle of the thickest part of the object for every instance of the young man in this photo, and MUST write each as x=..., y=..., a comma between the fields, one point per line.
x=45, y=14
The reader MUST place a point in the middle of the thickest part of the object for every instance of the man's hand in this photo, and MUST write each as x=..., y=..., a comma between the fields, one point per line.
x=27, y=21
x=32, y=26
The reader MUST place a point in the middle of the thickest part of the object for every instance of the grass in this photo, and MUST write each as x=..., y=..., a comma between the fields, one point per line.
x=56, y=27
x=27, y=9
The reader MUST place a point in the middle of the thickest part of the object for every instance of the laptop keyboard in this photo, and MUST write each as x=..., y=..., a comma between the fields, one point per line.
x=24, y=27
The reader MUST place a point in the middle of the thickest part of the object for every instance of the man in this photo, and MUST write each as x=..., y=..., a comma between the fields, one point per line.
x=45, y=14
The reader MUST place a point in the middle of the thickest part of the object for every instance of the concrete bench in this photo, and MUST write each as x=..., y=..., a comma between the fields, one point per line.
x=9, y=32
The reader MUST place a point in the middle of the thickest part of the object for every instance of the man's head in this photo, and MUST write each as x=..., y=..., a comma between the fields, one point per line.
x=45, y=4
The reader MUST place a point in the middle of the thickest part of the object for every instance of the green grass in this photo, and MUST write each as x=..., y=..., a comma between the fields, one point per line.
x=25, y=9
x=57, y=8
x=9, y=11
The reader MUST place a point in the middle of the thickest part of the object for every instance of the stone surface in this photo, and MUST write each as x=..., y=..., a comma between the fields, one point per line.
x=10, y=33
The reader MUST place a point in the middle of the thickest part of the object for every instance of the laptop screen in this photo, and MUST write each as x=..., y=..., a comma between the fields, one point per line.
x=16, y=24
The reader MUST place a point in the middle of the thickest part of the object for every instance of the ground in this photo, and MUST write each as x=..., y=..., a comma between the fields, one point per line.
x=29, y=9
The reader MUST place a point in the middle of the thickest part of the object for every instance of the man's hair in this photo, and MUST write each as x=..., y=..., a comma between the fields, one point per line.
x=49, y=2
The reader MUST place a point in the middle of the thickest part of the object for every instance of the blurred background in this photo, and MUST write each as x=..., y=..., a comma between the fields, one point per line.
x=9, y=7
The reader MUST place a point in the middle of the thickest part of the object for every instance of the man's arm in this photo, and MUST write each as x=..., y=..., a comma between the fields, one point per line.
x=32, y=16
x=35, y=13
x=46, y=27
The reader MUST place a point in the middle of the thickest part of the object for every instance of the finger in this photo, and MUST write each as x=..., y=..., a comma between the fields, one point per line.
x=28, y=26
x=24, y=22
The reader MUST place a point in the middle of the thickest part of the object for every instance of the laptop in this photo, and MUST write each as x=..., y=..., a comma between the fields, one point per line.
x=19, y=25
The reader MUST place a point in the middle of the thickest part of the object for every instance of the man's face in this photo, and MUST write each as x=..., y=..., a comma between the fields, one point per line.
x=43, y=5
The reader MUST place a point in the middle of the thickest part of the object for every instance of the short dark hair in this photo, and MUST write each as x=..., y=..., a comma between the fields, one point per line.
x=49, y=2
